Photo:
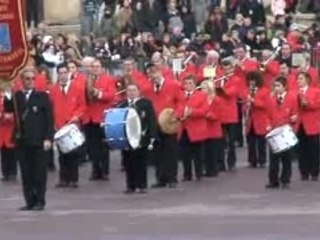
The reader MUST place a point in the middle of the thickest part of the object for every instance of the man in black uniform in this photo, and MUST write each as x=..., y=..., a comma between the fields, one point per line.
x=34, y=134
x=136, y=159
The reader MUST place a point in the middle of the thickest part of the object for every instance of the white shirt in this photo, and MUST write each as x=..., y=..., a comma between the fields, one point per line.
x=161, y=84
x=27, y=93
x=282, y=96
x=188, y=94
x=304, y=90
x=132, y=101
x=8, y=95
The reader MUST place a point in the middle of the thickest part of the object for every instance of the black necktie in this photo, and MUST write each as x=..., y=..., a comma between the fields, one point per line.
x=280, y=100
x=188, y=95
x=63, y=89
x=158, y=86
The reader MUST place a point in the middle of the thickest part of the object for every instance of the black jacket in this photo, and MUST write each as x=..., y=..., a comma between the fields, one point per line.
x=35, y=117
x=147, y=116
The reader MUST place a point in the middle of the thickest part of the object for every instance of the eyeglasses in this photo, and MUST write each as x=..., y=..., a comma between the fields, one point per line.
x=29, y=78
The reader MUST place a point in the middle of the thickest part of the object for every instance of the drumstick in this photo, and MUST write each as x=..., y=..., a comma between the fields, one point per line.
x=78, y=116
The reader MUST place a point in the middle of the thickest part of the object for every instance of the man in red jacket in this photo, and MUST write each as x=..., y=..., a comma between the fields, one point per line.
x=164, y=94
x=283, y=109
x=194, y=129
x=309, y=129
x=100, y=93
x=228, y=90
x=68, y=106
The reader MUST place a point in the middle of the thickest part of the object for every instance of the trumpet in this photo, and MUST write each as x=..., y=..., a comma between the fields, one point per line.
x=262, y=66
x=252, y=93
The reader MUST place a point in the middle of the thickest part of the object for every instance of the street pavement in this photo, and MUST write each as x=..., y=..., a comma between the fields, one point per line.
x=233, y=206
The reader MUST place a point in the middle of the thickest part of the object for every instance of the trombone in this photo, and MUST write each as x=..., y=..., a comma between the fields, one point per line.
x=263, y=65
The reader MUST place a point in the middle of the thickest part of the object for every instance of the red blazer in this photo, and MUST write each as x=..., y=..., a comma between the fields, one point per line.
x=195, y=125
x=248, y=65
x=271, y=72
x=309, y=115
x=230, y=93
x=280, y=115
x=141, y=80
x=258, y=117
x=200, y=72
x=214, y=129
x=292, y=83
x=170, y=96
x=80, y=80
x=167, y=73
x=314, y=73
x=94, y=111
x=65, y=107
x=189, y=70
x=6, y=126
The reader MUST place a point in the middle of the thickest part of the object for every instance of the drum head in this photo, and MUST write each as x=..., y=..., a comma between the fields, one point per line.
x=63, y=131
x=133, y=128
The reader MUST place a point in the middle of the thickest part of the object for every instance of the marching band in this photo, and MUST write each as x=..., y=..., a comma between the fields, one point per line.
x=194, y=114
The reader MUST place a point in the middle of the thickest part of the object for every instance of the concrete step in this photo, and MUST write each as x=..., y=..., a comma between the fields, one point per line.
x=64, y=29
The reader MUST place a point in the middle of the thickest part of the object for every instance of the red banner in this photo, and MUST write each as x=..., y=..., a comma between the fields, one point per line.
x=13, y=43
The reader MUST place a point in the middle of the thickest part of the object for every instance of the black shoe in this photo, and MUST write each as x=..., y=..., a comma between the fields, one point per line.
x=262, y=165
x=158, y=185
x=198, y=178
x=74, y=185
x=272, y=186
x=252, y=165
x=61, y=185
x=232, y=169
x=38, y=208
x=94, y=178
x=314, y=178
x=129, y=191
x=5, y=179
x=187, y=179
x=142, y=191
x=172, y=185
x=285, y=186
x=104, y=177
x=26, y=208
x=304, y=178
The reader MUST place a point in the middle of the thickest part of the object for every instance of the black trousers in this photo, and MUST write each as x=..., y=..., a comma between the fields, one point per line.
x=285, y=158
x=229, y=135
x=97, y=149
x=239, y=126
x=8, y=162
x=214, y=156
x=191, y=153
x=69, y=166
x=165, y=158
x=34, y=174
x=49, y=155
x=136, y=168
x=257, y=151
x=308, y=154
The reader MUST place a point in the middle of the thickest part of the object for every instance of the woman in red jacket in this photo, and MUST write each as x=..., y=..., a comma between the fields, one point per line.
x=256, y=117
x=214, y=150
x=283, y=109
x=194, y=129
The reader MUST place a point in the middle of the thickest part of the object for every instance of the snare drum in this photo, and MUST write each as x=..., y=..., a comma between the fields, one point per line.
x=281, y=139
x=69, y=138
x=122, y=128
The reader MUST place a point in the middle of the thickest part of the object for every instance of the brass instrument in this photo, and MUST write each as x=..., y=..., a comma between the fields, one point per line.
x=252, y=93
x=262, y=66
x=90, y=89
